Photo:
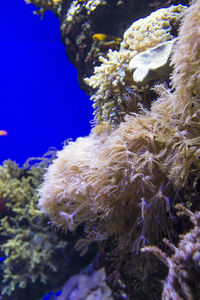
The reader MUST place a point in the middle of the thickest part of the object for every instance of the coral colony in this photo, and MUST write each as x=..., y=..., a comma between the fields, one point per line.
x=111, y=180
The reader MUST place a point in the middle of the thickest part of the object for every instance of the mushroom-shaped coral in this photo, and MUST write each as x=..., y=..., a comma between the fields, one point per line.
x=152, y=64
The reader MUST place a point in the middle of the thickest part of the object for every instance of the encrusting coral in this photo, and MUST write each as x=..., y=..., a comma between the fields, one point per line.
x=182, y=281
x=121, y=183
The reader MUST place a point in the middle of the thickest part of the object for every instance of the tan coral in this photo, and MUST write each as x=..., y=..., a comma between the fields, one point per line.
x=122, y=181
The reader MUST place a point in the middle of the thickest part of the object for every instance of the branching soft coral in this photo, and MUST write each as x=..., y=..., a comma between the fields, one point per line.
x=182, y=281
x=27, y=243
x=121, y=183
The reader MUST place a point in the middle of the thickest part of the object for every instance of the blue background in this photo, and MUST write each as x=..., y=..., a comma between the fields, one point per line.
x=41, y=102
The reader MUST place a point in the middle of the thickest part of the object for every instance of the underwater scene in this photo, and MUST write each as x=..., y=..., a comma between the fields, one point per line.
x=100, y=150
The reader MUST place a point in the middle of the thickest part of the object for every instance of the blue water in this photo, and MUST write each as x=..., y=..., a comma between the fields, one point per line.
x=51, y=294
x=41, y=102
x=2, y=258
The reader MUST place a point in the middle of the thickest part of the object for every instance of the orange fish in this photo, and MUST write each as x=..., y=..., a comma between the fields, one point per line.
x=3, y=132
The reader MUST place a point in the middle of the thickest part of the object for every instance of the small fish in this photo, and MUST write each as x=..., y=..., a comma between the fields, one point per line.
x=3, y=132
x=101, y=37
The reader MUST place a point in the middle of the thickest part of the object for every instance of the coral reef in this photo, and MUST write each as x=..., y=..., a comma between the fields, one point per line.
x=123, y=180
x=122, y=184
x=107, y=169
x=116, y=94
x=80, y=20
x=83, y=19
x=182, y=281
